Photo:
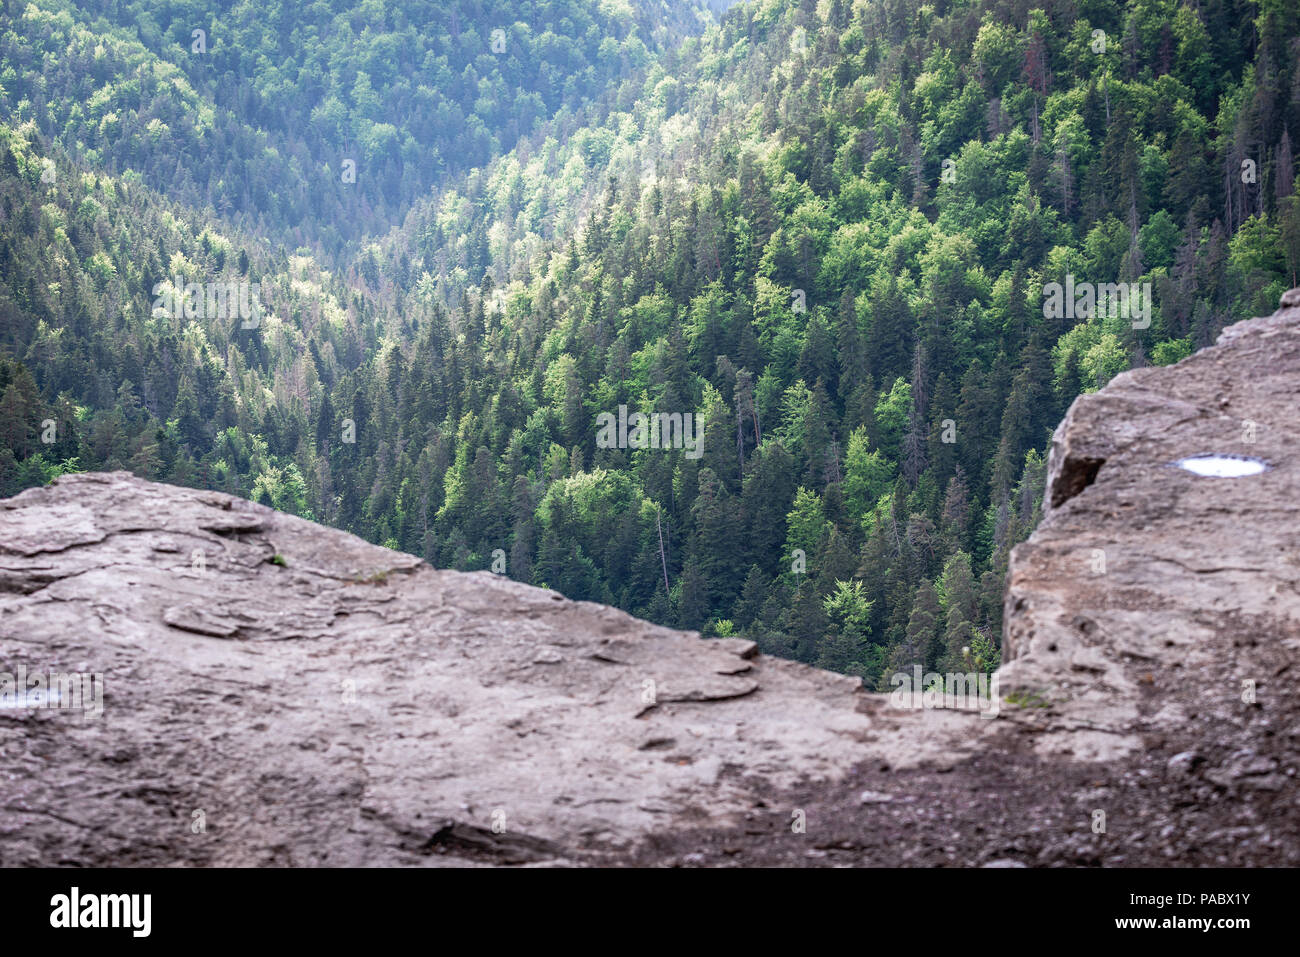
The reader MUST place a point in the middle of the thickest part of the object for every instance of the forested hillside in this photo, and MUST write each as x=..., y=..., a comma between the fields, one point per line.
x=826, y=229
x=314, y=123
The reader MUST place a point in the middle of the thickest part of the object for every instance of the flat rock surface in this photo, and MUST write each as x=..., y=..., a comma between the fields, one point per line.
x=280, y=693
x=313, y=699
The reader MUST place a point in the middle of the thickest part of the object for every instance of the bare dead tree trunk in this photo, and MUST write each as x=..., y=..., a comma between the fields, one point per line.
x=662, y=560
x=740, y=439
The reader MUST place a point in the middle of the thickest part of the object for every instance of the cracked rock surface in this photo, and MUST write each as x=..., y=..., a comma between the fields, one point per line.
x=280, y=693
x=1149, y=592
x=314, y=699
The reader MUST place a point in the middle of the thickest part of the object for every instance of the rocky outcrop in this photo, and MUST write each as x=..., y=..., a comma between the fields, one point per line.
x=275, y=692
x=1151, y=593
x=279, y=692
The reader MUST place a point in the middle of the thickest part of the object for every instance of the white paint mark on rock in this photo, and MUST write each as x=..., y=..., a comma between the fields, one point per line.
x=1222, y=466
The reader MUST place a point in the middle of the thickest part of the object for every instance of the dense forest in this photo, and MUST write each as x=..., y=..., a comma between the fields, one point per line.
x=823, y=229
x=314, y=122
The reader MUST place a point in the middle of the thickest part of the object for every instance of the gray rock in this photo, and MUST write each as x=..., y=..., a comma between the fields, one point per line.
x=1143, y=575
x=348, y=704
x=1184, y=762
x=1247, y=768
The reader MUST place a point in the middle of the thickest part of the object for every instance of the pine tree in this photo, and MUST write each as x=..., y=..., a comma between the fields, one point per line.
x=920, y=646
x=960, y=604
